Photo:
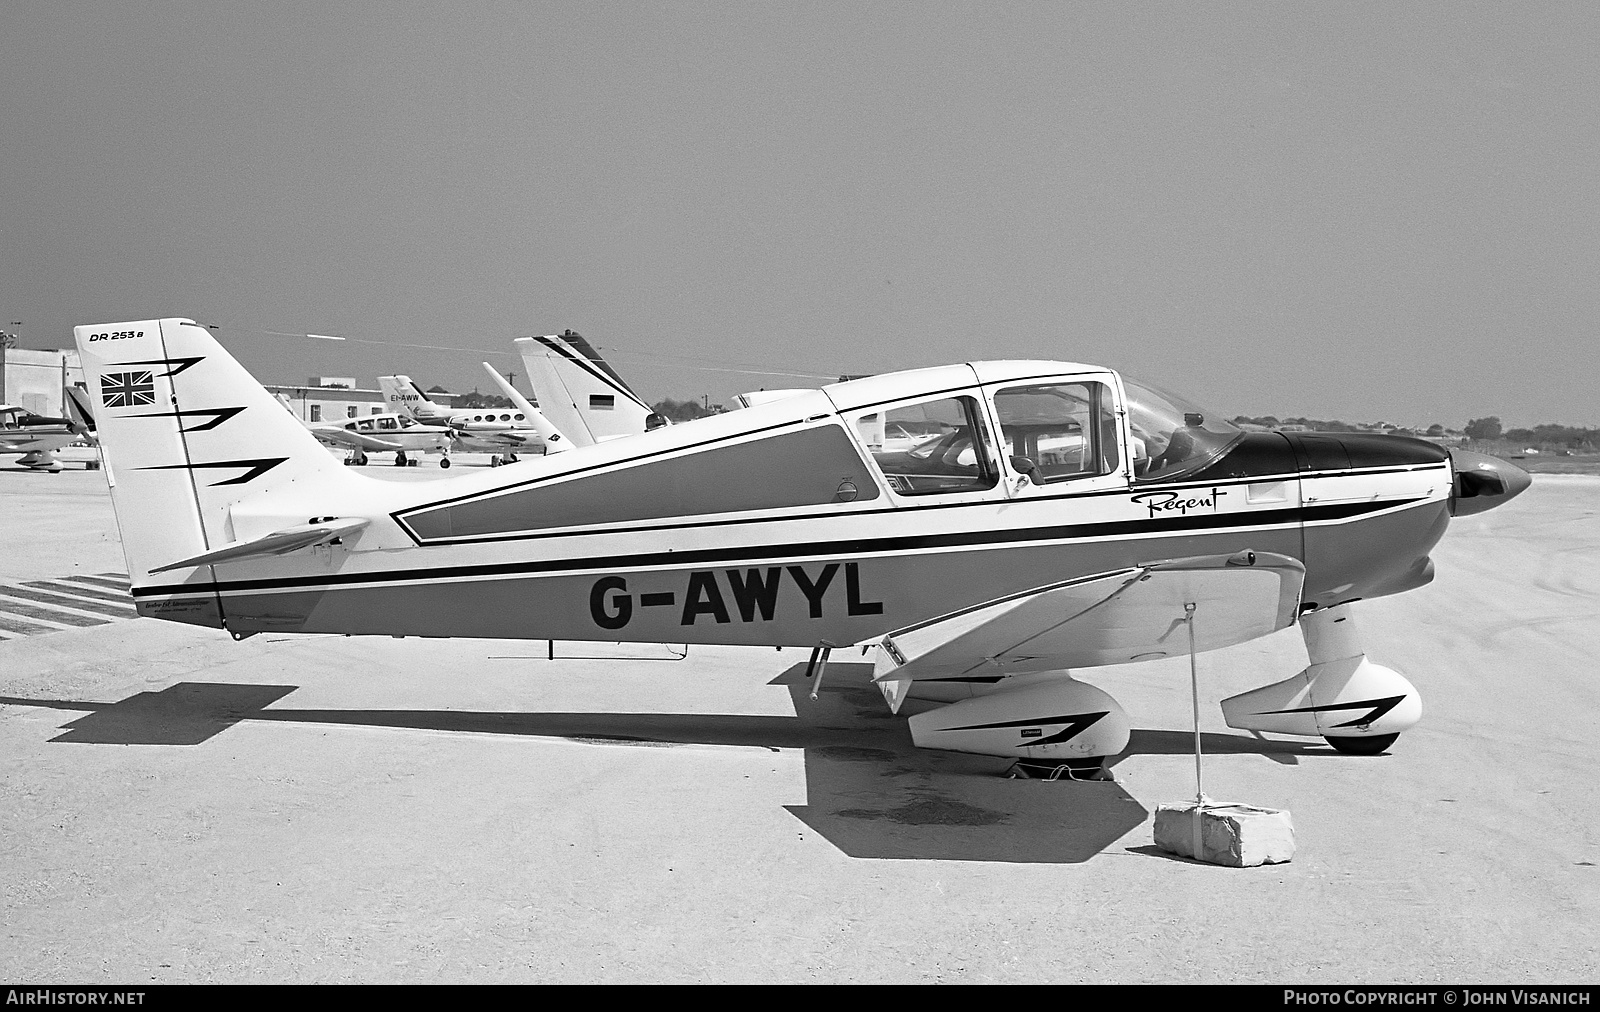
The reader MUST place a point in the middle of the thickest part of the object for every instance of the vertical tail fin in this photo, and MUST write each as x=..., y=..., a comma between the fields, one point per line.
x=403, y=395
x=554, y=442
x=579, y=391
x=79, y=410
x=185, y=432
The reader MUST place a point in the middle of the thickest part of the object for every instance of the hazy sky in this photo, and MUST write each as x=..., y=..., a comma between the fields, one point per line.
x=1365, y=211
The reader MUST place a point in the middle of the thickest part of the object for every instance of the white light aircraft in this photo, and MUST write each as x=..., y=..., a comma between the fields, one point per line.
x=987, y=581
x=36, y=438
x=581, y=393
x=502, y=432
x=384, y=433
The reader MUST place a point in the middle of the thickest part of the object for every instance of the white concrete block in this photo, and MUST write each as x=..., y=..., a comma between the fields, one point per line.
x=1240, y=836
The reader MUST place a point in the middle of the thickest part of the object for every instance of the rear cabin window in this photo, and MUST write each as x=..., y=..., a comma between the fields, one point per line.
x=1068, y=430
x=810, y=466
x=930, y=448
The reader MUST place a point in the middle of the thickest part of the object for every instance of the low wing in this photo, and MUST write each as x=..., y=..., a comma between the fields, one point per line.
x=1133, y=614
x=36, y=442
x=499, y=433
x=345, y=437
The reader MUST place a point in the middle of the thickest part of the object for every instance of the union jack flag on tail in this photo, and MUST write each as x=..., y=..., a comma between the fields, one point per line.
x=127, y=389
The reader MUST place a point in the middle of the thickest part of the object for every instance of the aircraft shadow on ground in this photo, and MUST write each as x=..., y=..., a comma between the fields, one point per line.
x=870, y=792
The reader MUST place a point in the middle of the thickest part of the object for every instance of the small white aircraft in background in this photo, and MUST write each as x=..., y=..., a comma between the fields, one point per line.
x=36, y=438
x=502, y=432
x=391, y=431
x=1125, y=524
x=581, y=393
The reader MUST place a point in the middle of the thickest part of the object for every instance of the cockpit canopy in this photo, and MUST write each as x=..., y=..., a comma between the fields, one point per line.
x=1171, y=436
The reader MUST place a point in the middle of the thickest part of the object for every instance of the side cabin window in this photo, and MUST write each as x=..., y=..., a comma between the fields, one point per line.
x=930, y=447
x=388, y=423
x=1068, y=430
x=365, y=425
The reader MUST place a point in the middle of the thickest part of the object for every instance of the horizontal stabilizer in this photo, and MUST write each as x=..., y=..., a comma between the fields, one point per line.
x=277, y=543
x=1131, y=614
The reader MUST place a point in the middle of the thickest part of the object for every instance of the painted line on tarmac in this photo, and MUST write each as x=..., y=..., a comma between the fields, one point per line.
x=34, y=607
x=82, y=604
x=11, y=628
x=115, y=581
x=62, y=587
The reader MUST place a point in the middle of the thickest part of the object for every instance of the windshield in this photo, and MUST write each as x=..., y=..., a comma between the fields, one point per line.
x=1170, y=436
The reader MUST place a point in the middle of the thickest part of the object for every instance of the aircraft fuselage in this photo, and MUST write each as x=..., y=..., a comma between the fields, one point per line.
x=774, y=527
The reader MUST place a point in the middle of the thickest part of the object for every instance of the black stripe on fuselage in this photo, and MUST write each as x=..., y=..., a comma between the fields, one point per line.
x=752, y=554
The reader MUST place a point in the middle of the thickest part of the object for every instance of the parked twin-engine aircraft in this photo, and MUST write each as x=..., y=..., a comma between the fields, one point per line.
x=504, y=433
x=1054, y=517
x=581, y=393
x=36, y=438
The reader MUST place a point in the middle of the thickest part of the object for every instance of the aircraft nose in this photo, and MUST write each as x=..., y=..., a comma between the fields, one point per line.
x=1483, y=482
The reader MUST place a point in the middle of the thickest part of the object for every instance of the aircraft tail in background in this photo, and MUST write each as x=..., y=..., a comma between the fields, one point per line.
x=554, y=441
x=580, y=392
x=80, y=410
x=402, y=394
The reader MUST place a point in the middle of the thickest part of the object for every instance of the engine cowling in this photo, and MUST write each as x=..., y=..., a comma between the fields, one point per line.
x=1048, y=717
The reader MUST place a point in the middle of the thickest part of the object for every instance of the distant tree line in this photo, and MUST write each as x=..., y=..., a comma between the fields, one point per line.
x=677, y=411
x=1334, y=425
x=1567, y=437
x=683, y=411
x=477, y=400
